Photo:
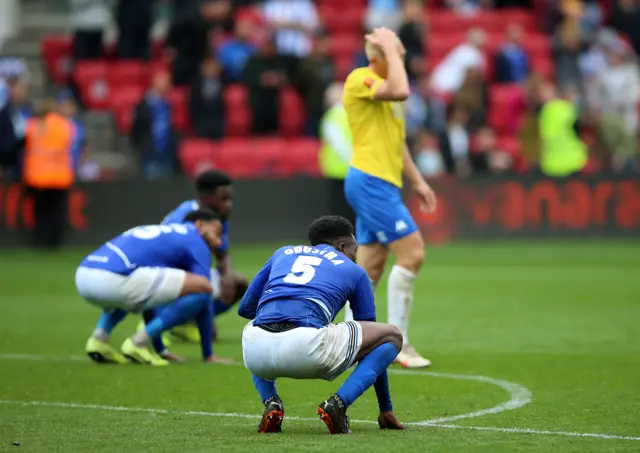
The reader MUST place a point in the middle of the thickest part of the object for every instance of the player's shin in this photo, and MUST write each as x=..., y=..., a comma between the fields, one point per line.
x=366, y=373
x=400, y=299
x=273, y=415
x=107, y=322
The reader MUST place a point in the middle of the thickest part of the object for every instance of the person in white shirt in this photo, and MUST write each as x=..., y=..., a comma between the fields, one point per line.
x=449, y=75
x=294, y=22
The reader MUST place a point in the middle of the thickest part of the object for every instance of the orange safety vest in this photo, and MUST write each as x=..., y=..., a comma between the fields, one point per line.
x=47, y=162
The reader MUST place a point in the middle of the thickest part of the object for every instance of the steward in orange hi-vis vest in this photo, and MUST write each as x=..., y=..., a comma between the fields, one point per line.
x=48, y=162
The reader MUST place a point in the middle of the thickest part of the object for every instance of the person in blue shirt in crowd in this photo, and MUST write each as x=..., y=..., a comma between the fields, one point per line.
x=215, y=192
x=147, y=267
x=292, y=303
x=234, y=52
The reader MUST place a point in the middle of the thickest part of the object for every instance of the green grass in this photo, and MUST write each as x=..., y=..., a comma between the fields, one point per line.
x=560, y=319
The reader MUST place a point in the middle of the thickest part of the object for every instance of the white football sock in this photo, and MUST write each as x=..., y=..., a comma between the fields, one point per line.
x=400, y=299
x=140, y=339
x=102, y=335
x=348, y=314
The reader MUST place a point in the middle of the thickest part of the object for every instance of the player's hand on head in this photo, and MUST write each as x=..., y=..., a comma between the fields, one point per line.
x=427, y=196
x=388, y=420
x=384, y=38
x=216, y=359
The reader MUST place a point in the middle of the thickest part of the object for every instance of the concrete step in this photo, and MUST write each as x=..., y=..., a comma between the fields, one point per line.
x=17, y=48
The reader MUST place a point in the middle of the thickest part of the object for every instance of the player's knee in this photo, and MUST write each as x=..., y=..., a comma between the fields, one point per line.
x=412, y=257
x=196, y=284
x=395, y=337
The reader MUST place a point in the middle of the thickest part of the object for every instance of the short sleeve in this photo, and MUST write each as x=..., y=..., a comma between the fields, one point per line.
x=361, y=85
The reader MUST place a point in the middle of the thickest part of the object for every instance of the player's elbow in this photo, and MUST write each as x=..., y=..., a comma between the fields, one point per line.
x=401, y=94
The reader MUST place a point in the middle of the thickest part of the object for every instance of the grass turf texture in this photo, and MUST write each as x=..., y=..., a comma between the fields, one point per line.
x=560, y=319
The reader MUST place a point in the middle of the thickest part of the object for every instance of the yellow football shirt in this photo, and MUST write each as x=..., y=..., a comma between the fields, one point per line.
x=377, y=127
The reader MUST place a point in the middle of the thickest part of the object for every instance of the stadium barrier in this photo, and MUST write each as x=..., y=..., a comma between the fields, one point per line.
x=279, y=210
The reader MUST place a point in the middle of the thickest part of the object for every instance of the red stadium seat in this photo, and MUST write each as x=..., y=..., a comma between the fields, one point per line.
x=196, y=155
x=526, y=19
x=123, y=101
x=93, y=85
x=544, y=66
x=238, y=116
x=178, y=99
x=237, y=156
x=305, y=156
x=537, y=45
x=506, y=103
x=346, y=44
x=56, y=52
x=445, y=21
x=123, y=73
x=345, y=19
x=291, y=115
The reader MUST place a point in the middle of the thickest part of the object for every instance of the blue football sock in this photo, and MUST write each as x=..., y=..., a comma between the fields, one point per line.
x=149, y=316
x=366, y=373
x=109, y=320
x=266, y=389
x=220, y=307
x=176, y=313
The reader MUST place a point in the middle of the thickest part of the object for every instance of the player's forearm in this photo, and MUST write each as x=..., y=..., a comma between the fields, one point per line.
x=410, y=169
x=397, y=79
x=383, y=393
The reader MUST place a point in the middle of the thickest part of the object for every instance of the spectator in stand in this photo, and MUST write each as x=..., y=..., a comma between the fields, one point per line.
x=89, y=19
x=135, y=20
x=423, y=110
x=313, y=77
x=152, y=131
x=467, y=7
x=512, y=63
x=486, y=157
x=614, y=142
x=206, y=108
x=563, y=152
x=567, y=48
x=530, y=130
x=411, y=34
x=619, y=90
x=383, y=13
x=191, y=37
x=294, y=23
x=626, y=18
x=265, y=75
x=449, y=75
x=13, y=120
x=454, y=142
x=427, y=155
x=234, y=52
x=473, y=97
x=513, y=3
x=67, y=108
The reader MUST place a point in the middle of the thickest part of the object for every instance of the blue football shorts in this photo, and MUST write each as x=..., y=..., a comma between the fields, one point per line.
x=381, y=215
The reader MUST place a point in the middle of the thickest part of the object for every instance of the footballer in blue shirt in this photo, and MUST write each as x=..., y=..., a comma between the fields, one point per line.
x=215, y=192
x=292, y=303
x=147, y=267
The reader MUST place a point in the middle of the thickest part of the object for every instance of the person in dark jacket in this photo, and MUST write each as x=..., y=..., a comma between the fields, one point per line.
x=152, y=132
x=206, y=108
x=511, y=62
x=265, y=76
x=12, y=123
x=315, y=74
x=192, y=36
x=135, y=20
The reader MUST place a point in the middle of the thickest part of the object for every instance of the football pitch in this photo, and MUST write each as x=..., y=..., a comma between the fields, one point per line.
x=536, y=348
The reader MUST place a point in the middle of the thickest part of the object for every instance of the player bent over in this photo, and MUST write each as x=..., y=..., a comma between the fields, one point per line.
x=148, y=267
x=215, y=192
x=372, y=98
x=292, y=302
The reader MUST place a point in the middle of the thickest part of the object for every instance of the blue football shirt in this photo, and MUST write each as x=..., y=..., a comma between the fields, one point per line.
x=308, y=286
x=178, y=246
x=178, y=214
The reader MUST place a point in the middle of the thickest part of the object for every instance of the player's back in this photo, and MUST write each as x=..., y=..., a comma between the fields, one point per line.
x=171, y=245
x=184, y=208
x=307, y=286
x=378, y=127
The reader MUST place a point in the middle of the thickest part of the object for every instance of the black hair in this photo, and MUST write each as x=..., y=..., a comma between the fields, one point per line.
x=329, y=228
x=209, y=181
x=205, y=214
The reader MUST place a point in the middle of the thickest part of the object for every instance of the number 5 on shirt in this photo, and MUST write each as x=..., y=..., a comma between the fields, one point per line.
x=305, y=267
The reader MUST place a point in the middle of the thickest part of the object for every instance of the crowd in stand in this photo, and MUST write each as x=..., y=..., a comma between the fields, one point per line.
x=272, y=44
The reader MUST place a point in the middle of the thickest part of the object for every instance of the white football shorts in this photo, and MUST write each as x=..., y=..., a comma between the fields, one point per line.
x=301, y=353
x=144, y=288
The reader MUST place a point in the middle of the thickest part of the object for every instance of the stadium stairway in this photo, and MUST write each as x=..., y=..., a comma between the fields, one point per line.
x=40, y=18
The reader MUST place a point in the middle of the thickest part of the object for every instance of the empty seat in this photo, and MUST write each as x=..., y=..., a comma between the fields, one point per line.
x=291, y=114
x=196, y=155
x=238, y=117
x=56, y=51
x=93, y=85
x=124, y=72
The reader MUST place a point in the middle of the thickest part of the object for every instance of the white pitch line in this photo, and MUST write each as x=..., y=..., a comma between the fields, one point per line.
x=518, y=395
x=256, y=417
